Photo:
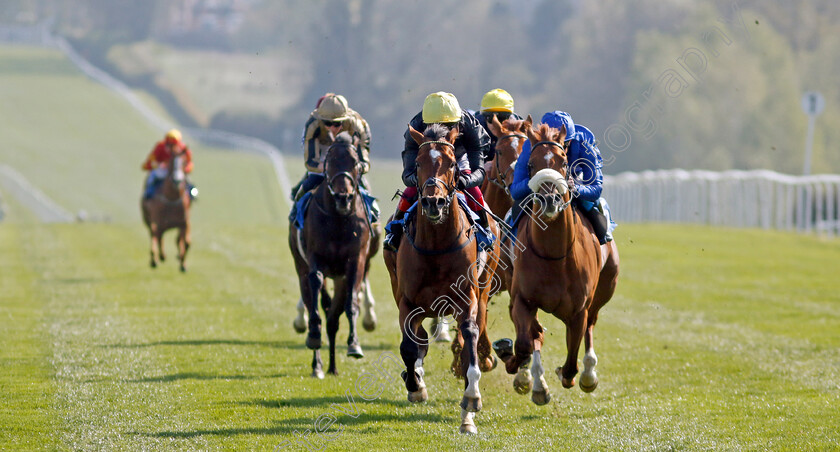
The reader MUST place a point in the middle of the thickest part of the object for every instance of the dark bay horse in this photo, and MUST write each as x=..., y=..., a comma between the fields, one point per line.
x=169, y=208
x=562, y=270
x=337, y=242
x=439, y=270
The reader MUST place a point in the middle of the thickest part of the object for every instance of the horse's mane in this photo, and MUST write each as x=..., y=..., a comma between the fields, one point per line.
x=512, y=124
x=546, y=133
x=436, y=132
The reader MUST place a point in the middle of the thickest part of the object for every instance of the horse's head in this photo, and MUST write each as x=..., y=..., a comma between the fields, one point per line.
x=511, y=135
x=436, y=169
x=548, y=167
x=341, y=168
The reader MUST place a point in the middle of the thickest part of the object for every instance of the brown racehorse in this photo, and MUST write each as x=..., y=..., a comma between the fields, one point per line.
x=511, y=135
x=169, y=208
x=562, y=270
x=439, y=270
x=496, y=187
x=337, y=242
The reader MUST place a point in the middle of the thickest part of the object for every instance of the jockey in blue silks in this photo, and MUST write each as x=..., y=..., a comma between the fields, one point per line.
x=584, y=164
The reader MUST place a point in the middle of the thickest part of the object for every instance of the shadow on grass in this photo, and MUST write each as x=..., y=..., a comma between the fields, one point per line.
x=316, y=402
x=294, y=345
x=299, y=424
x=199, y=376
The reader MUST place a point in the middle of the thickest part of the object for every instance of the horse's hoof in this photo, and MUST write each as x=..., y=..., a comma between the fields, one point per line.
x=503, y=349
x=468, y=429
x=418, y=396
x=540, y=397
x=488, y=367
x=162, y=258
x=318, y=373
x=299, y=327
x=183, y=269
x=355, y=351
x=333, y=372
x=369, y=324
x=471, y=404
x=566, y=382
x=523, y=382
x=313, y=343
x=153, y=264
x=588, y=385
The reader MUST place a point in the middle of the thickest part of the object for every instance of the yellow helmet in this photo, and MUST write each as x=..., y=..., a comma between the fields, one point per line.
x=333, y=107
x=441, y=107
x=173, y=136
x=497, y=100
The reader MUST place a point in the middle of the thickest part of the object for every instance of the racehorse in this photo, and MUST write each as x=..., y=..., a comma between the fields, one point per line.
x=561, y=270
x=169, y=208
x=496, y=187
x=439, y=270
x=337, y=242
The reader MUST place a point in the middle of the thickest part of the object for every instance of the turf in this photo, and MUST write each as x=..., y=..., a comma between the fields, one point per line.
x=716, y=339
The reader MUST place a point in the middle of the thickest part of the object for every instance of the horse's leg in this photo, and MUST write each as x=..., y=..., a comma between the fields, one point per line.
x=369, y=320
x=186, y=242
x=410, y=352
x=352, y=286
x=160, y=253
x=457, y=348
x=589, y=379
x=333, y=311
x=487, y=361
x=471, y=403
x=315, y=282
x=574, y=333
x=523, y=318
x=182, y=248
x=440, y=330
x=300, y=321
x=155, y=244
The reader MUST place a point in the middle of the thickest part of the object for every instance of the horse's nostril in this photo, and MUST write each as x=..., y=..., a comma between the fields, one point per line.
x=425, y=202
x=440, y=202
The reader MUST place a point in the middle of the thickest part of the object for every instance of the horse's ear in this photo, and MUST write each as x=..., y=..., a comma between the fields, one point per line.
x=529, y=130
x=453, y=134
x=562, y=134
x=418, y=137
x=495, y=126
x=526, y=124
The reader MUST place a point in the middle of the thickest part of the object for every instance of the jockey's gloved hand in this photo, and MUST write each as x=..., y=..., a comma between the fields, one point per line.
x=365, y=167
x=411, y=180
x=463, y=181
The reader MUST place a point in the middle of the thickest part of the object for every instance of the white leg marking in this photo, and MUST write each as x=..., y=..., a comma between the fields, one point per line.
x=301, y=319
x=418, y=368
x=473, y=375
x=467, y=418
x=589, y=362
x=537, y=372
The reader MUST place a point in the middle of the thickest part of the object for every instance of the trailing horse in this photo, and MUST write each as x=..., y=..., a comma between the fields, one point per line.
x=169, y=208
x=337, y=242
x=439, y=270
x=561, y=270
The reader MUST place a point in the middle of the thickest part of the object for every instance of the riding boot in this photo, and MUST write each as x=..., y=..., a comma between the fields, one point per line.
x=600, y=223
x=392, y=239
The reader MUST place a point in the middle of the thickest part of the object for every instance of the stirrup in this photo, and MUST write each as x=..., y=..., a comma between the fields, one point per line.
x=387, y=243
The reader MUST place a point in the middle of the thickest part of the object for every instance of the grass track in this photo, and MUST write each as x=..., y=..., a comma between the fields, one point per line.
x=101, y=352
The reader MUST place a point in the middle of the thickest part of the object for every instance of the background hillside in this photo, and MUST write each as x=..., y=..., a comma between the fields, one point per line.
x=257, y=67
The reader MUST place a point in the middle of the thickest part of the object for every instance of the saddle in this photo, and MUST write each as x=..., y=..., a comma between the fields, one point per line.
x=486, y=238
x=302, y=205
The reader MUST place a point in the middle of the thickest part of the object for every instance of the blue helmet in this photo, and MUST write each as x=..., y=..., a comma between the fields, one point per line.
x=558, y=118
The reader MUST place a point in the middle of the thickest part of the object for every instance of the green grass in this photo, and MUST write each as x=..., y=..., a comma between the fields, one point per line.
x=717, y=339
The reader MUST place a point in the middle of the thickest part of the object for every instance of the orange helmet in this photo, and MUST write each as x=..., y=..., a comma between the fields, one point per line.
x=173, y=137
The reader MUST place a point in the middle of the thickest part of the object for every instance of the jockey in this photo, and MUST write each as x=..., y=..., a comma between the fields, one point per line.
x=330, y=117
x=584, y=165
x=157, y=160
x=471, y=149
x=499, y=103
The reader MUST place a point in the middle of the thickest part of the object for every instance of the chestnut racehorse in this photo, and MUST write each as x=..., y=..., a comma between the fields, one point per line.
x=496, y=187
x=562, y=270
x=168, y=208
x=440, y=270
x=337, y=242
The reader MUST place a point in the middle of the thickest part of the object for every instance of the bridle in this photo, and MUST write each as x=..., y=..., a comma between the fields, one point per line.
x=434, y=181
x=499, y=180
